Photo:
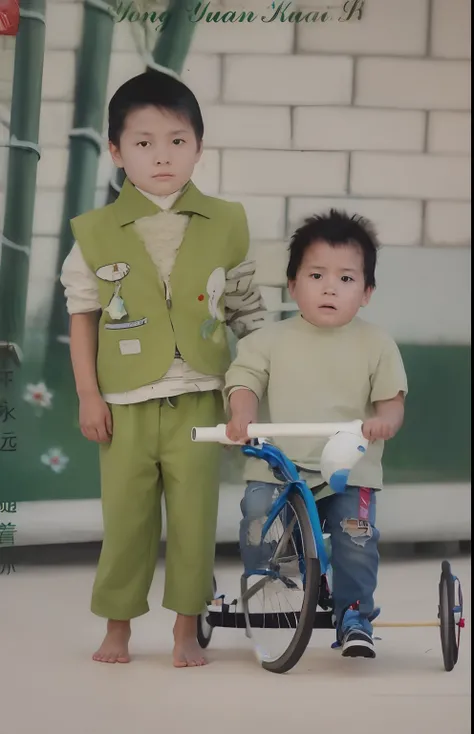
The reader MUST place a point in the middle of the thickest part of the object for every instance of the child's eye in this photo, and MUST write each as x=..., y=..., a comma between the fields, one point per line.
x=347, y=279
x=316, y=276
x=143, y=143
x=177, y=141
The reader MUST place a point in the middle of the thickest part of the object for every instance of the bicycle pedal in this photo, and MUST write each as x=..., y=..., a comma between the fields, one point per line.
x=288, y=582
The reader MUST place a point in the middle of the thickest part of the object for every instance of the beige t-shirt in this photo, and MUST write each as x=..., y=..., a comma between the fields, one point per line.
x=313, y=375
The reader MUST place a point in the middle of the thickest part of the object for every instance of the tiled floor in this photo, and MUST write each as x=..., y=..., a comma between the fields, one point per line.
x=49, y=685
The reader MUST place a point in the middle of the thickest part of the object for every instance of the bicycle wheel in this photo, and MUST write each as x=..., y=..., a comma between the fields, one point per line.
x=280, y=602
x=204, y=629
x=449, y=644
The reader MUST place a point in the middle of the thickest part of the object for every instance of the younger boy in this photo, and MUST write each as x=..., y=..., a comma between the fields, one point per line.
x=325, y=365
x=151, y=283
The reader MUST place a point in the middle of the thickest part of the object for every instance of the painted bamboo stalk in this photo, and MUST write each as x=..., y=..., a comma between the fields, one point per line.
x=23, y=159
x=175, y=40
x=86, y=140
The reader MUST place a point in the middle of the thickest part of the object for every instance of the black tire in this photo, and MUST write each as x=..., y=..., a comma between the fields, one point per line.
x=204, y=630
x=446, y=617
x=304, y=628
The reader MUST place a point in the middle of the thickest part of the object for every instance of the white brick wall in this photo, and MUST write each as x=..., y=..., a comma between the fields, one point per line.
x=413, y=84
x=449, y=132
x=271, y=259
x=448, y=223
x=58, y=76
x=283, y=172
x=265, y=214
x=123, y=66
x=6, y=72
x=395, y=27
x=55, y=123
x=106, y=170
x=294, y=80
x=207, y=173
x=451, y=29
x=372, y=116
x=52, y=168
x=48, y=211
x=239, y=126
x=123, y=39
x=63, y=25
x=42, y=269
x=417, y=176
x=202, y=73
x=340, y=128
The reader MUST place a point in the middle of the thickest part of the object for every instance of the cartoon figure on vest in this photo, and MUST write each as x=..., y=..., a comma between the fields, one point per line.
x=151, y=284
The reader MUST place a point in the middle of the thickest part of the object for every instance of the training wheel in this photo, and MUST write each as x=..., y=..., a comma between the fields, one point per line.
x=450, y=615
x=204, y=629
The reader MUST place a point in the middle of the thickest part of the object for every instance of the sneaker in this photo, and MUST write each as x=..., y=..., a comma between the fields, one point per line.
x=357, y=643
x=355, y=635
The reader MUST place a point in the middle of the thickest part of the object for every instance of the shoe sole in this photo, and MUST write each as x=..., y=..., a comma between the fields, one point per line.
x=358, y=650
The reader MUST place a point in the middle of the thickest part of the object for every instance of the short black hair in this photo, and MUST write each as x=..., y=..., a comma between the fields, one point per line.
x=335, y=228
x=156, y=89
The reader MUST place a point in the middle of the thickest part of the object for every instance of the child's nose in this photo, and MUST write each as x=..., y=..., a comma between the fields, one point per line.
x=162, y=156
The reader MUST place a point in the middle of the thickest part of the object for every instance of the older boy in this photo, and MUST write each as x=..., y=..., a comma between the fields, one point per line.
x=151, y=284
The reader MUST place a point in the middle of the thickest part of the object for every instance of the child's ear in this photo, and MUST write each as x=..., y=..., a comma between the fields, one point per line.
x=291, y=288
x=115, y=154
x=368, y=293
x=200, y=148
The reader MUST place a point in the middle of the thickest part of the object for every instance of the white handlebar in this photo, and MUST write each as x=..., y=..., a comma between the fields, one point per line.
x=278, y=430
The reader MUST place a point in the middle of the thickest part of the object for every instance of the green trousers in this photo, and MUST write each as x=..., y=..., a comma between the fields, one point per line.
x=151, y=454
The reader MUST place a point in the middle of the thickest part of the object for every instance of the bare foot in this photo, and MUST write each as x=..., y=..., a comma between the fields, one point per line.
x=187, y=652
x=114, y=648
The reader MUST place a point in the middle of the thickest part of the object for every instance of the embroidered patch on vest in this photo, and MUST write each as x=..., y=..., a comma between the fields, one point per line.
x=127, y=324
x=112, y=273
x=130, y=346
x=116, y=308
x=215, y=290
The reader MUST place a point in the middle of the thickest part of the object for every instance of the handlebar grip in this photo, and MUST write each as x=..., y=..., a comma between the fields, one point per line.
x=216, y=434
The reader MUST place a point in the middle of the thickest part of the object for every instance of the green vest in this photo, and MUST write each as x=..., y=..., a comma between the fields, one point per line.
x=140, y=347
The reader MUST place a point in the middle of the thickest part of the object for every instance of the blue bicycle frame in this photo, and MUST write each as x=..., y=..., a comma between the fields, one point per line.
x=279, y=463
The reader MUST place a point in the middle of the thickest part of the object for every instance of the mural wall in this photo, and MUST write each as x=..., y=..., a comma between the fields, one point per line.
x=367, y=108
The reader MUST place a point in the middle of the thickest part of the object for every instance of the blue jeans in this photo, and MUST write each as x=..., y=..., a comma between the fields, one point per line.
x=350, y=518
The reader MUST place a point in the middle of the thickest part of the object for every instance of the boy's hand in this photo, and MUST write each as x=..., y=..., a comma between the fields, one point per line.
x=244, y=410
x=95, y=419
x=387, y=420
x=375, y=429
x=236, y=430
